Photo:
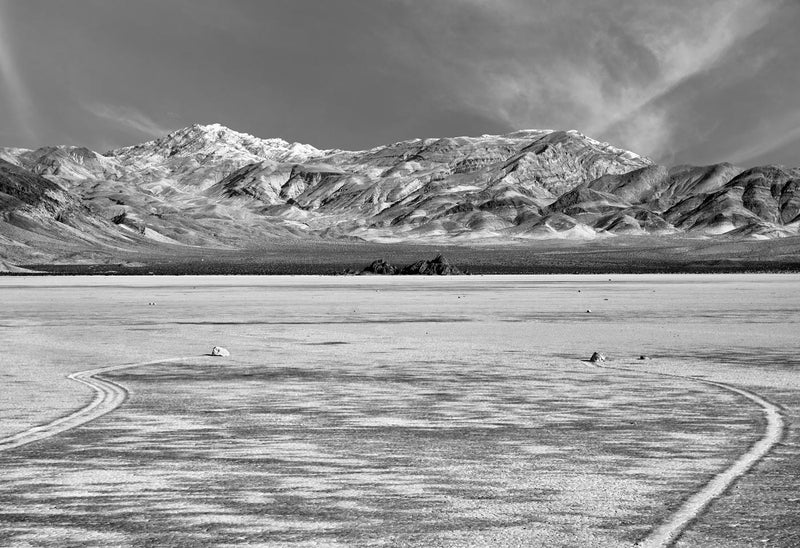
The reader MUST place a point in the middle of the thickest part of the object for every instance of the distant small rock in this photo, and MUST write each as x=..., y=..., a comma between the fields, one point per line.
x=220, y=351
x=643, y=357
x=588, y=311
x=597, y=357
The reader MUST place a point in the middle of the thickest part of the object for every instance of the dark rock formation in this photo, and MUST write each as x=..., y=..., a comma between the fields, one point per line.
x=439, y=266
x=380, y=267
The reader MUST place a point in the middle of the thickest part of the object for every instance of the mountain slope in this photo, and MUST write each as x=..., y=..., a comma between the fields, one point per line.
x=40, y=218
x=207, y=185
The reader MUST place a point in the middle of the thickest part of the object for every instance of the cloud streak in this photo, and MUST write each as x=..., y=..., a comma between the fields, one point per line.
x=19, y=97
x=603, y=68
x=682, y=81
x=769, y=137
x=129, y=118
x=694, y=45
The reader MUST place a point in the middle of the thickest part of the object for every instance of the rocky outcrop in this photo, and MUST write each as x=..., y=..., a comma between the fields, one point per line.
x=439, y=266
x=380, y=267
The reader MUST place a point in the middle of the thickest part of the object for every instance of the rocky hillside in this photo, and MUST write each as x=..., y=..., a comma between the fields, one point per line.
x=211, y=186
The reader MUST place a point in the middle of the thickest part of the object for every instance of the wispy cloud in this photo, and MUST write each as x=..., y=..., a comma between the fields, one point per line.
x=603, y=67
x=685, y=48
x=129, y=118
x=19, y=98
x=769, y=136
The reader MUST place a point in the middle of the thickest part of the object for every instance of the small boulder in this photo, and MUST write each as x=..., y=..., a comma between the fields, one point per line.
x=597, y=357
x=644, y=357
x=219, y=351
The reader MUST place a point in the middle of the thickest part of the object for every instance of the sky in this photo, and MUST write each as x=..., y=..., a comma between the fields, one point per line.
x=680, y=81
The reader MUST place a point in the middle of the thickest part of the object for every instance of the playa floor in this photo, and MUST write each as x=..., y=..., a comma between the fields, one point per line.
x=398, y=411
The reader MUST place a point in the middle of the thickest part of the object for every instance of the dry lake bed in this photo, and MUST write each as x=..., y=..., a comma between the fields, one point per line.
x=370, y=411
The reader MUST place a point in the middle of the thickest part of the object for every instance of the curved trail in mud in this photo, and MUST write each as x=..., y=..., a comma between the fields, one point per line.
x=670, y=530
x=108, y=396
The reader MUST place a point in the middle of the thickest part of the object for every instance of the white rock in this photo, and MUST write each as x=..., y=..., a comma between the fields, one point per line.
x=219, y=351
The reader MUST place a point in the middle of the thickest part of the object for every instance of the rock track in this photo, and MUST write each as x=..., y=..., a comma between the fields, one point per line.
x=108, y=396
x=670, y=530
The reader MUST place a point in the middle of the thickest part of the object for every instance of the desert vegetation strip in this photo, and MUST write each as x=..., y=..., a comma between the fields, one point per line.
x=670, y=530
x=108, y=396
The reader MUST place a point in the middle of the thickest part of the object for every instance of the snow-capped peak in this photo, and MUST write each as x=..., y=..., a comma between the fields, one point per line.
x=217, y=140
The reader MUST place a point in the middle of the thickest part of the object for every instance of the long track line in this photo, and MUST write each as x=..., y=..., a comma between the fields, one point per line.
x=108, y=396
x=669, y=531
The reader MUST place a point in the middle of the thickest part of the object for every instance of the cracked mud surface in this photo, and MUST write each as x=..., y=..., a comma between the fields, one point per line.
x=424, y=453
x=425, y=414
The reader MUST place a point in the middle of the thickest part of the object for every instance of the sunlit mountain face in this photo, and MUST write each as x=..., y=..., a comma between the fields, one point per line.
x=209, y=186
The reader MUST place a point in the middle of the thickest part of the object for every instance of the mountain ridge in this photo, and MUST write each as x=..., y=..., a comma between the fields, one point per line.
x=210, y=186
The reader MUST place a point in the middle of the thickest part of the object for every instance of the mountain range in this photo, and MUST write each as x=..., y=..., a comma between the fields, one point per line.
x=207, y=186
